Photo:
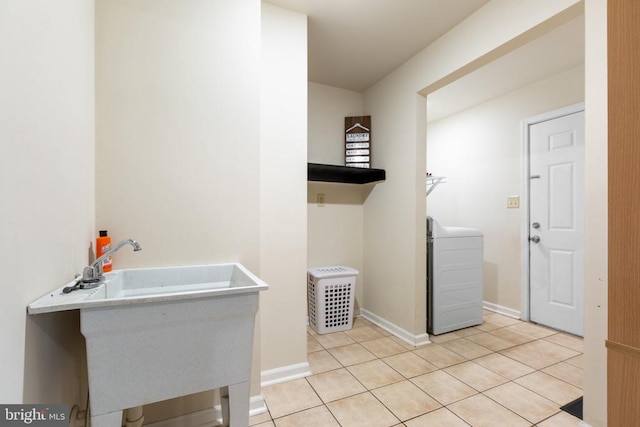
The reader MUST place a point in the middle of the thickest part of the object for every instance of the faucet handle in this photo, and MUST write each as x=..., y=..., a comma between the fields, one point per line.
x=91, y=274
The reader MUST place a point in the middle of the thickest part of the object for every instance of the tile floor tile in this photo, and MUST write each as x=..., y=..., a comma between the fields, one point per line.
x=292, y=396
x=260, y=419
x=566, y=340
x=476, y=376
x=561, y=419
x=335, y=339
x=364, y=333
x=405, y=400
x=361, y=321
x=504, y=366
x=467, y=348
x=383, y=347
x=438, y=418
x=550, y=387
x=488, y=326
x=319, y=416
x=362, y=410
x=577, y=361
x=501, y=320
x=566, y=372
x=533, y=330
x=539, y=354
x=489, y=341
x=351, y=354
x=523, y=402
x=334, y=385
x=375, y=374
x=480, y=411
x=381, y=331
x=322, y=361
x=265, y=424
x=439, y=355
x=468, y=331
x=512, y=336
x=313, y=344
x=409, y=364
x=443, y=387
x=402, y=343
x=439, y=339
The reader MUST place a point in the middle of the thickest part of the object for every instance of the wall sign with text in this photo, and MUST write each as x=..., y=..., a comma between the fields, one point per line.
x=357, y=141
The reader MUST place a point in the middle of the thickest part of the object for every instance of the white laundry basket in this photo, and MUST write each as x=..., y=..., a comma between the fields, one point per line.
x=330, y=297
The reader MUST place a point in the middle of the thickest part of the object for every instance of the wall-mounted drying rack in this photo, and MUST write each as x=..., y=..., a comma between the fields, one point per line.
x=433, y=181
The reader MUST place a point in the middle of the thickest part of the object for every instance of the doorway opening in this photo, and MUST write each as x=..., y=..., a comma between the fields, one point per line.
x=482, y=188
x=552, y=219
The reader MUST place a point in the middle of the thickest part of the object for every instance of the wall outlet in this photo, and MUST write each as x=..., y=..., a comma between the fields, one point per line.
x=320, y=199
x=513, y=202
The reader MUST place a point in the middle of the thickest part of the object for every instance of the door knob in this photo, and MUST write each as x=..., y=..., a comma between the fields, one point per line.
x=534, y=239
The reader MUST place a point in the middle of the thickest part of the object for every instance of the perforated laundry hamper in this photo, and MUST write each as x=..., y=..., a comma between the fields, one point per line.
x=330, y=297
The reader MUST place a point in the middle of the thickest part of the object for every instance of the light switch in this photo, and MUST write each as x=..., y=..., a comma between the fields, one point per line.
x=513, y=202
x=320, y=199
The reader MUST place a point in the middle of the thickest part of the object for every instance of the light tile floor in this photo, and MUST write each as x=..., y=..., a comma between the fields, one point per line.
x=504, y=372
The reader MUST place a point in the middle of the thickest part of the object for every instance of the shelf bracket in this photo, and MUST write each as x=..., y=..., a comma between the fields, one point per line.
x=433, y=181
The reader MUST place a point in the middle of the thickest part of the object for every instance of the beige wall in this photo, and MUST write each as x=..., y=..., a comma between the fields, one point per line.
x=464, y=48
x=479, y=150
x=283, y=189
x=394, y=229
x=595, y=356
x=328, y=106
x=179, y=165
x=335, y=229
x=178, y=137
x=201, y=151
x=46, y=192
x=177, y=150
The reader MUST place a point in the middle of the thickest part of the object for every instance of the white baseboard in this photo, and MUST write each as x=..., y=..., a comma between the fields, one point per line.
x=501, y=310
x=285, y=373
x=404, y=335
x=210, y=417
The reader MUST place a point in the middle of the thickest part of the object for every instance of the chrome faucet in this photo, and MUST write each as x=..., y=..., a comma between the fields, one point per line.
x=92, y=275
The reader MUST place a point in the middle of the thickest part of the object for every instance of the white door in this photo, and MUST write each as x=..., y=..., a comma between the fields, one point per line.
x=556, y=229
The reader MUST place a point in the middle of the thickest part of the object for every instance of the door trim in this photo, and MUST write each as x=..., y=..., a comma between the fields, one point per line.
x=525, y=124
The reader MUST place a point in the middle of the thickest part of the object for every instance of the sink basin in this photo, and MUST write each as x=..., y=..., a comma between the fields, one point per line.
x=145, y=285
x=164, y=283
x=158, y=333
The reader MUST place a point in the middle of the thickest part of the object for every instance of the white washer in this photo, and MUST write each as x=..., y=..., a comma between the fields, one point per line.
x=454, y=277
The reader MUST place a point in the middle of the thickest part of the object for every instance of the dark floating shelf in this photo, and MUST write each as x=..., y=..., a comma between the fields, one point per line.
x=343, y=174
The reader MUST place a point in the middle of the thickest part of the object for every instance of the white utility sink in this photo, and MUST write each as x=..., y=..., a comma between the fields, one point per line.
x=157, y=333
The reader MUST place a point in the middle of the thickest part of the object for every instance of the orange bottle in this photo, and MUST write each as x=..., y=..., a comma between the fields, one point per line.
x=103, y=244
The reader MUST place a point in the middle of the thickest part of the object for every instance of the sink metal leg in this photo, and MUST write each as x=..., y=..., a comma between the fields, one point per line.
x=110, y=419
x=234, y=400
x=224, y=405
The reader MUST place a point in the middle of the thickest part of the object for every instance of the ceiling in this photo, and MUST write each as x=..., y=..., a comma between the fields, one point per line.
x=557, y=51
x=352, y=44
